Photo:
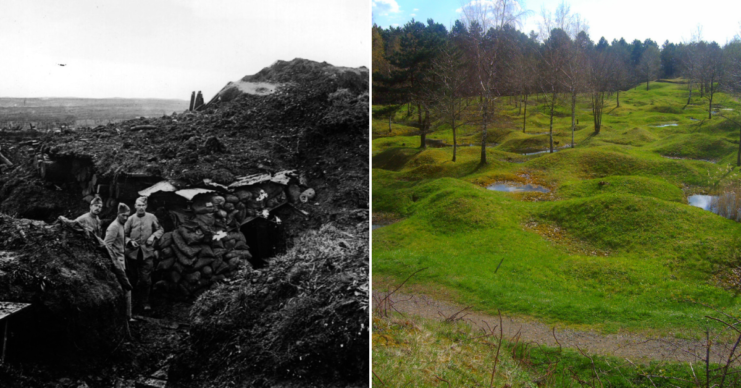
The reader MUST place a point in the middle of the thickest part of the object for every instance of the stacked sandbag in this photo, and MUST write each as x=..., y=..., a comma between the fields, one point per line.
x=231, y=210
x=194, y=256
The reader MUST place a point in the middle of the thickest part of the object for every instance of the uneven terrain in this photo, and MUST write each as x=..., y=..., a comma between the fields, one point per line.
x=312, y=128
x=613, y=247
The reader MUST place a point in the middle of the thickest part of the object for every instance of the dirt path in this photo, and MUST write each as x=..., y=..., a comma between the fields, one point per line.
x=635, y=347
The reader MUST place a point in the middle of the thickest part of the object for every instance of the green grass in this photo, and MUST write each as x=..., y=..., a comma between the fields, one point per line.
x=634, y=185
x=424, y=353
x=627, y=254
x=420, y=352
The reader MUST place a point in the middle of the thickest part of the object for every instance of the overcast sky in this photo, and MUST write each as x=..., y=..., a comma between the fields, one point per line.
x=631, y=19
x=168, y=48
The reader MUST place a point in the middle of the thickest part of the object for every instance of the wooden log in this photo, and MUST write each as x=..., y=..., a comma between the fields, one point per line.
x=6, y=160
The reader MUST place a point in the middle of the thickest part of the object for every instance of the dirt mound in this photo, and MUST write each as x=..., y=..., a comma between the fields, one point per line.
x=297, y=71
x=76, y=302
x=303, y=70
x=304, y=318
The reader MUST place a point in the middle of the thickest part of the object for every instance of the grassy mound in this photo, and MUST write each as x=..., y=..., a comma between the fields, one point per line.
x=648, y=226
x=697, y=146
x=611, y=161
x=622, y=185
x=633, y=137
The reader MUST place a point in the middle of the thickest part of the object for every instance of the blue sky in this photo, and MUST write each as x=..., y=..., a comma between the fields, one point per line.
x=631, y=19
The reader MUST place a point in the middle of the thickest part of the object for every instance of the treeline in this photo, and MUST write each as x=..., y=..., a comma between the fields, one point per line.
x=456, y=76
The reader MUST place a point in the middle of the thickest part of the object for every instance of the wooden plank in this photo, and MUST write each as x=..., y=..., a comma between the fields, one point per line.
x=9, y=308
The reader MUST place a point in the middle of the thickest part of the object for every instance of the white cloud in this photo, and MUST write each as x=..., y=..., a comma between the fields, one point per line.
x=416, y=9
x=384, y=7
x=412, y=14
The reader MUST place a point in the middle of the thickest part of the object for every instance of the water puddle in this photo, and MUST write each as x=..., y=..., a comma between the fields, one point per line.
x=532, y=152
x=665, y=125
x=537, y=133
x=516, y=188
x=704, y=202
x=374, y=227
x=694, y=119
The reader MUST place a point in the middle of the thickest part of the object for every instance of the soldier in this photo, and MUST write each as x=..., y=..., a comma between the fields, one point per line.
x=141, y=230
x=90, y=219
x=114, y=242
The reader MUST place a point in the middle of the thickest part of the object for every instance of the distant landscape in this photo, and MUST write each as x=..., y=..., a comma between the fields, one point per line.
x=47, y=113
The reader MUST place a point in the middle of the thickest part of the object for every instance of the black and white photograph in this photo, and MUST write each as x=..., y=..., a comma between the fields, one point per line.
x=184, y=193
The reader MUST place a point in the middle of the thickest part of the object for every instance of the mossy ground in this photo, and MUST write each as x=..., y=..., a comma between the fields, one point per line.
x=614, y=245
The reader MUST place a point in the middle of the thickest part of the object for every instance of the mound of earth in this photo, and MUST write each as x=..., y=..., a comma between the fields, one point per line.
x=304, y=318
x=77, y=307
x=296, y=71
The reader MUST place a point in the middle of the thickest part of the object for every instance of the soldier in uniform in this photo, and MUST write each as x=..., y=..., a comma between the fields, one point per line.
x=141, y=231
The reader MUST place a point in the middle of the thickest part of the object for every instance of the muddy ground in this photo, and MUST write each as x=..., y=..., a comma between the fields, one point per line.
x=300, y=321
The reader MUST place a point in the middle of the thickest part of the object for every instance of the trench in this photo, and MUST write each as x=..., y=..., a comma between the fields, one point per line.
x=40, y=335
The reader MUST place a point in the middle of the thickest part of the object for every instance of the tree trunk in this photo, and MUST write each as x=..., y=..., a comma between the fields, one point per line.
x=710, y=104
x=573, y=116
x=689, y=99
x=425, y=125
x=618, y=99
x=553, y=102
x=455, y=144
x=419, y=116
x=483, y=133
x=598, y=105
x=646, y=83
x=390, y=117
x=738, y=159
x=524, y=114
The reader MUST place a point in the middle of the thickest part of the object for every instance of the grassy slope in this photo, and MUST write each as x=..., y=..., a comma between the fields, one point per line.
x=627, y=254
x=424, y=353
